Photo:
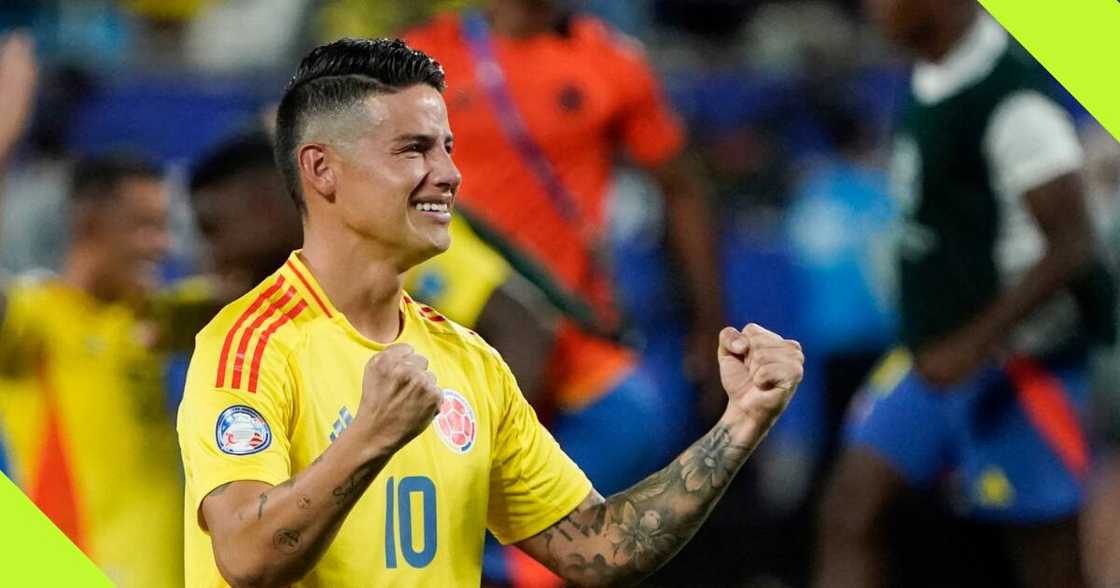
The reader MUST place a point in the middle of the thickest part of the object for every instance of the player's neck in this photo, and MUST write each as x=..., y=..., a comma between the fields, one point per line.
x=365, y=288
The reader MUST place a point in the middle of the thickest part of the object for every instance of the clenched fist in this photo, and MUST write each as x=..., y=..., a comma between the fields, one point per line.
x=760, y=372
x=399, y=395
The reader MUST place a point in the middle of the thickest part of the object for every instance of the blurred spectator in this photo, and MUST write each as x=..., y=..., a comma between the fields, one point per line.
x=1000, y=298
x=248, y=224
x=548, y=153
x=79, y=389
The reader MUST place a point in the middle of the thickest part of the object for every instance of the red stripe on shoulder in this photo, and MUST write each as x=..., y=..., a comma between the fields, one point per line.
x=243, y=346
x=307, y=285
x=221, y=380
x=262, y=343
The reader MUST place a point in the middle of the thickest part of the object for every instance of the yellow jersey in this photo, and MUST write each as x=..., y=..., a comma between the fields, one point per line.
x=90, y=441
x=276, y=377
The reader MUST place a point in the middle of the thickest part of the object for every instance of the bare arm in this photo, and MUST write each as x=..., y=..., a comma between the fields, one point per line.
x=624, y=538
x=273, y=536
x=1059, y=207
x=521, y=325
x=18, y=75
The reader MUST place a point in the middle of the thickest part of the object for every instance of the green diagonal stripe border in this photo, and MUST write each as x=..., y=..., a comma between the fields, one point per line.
x=33, y=552
x=1077, y=41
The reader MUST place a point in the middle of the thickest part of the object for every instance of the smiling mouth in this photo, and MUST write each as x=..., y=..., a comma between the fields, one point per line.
x=443, y=207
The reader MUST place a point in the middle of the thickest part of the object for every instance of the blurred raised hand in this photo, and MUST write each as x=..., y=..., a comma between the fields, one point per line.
x=19, y=73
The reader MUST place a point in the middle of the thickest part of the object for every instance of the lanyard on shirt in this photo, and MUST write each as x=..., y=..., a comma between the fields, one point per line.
x=488, y=73
x=490, y=76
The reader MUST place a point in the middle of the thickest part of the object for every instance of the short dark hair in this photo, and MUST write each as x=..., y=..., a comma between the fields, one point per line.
x=245, y=151
x=334, y=77
x=96, y=179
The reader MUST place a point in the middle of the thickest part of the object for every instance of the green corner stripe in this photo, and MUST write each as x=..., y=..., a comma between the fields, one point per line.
x=33, y=552
x=1077, y=41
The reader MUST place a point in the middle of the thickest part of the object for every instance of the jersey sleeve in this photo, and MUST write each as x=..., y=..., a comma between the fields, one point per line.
x=648, y=128
x=228, y=433
x=533, y=483
x=1030, y=141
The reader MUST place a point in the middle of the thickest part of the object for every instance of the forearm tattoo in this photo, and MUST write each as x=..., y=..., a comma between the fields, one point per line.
x=631, y=534
x=354, y=485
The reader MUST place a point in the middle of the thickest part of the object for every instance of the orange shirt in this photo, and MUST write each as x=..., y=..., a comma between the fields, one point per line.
x=585, y=97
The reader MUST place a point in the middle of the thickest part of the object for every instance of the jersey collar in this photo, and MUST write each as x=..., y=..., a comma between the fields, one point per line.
x=306, y=283
x=299, y=274
x=973, y=57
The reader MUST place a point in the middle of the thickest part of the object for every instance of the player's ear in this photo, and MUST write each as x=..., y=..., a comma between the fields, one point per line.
x=316, y=170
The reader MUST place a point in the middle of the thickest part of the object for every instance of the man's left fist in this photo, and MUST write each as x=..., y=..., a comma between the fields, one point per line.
x=760, y=371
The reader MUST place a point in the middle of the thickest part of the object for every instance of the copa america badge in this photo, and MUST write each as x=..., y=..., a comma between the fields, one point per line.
x=456, y=423
x=242, y=431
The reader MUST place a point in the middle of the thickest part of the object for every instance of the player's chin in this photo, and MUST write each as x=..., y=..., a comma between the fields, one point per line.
x=432, y=242
x=438, y=238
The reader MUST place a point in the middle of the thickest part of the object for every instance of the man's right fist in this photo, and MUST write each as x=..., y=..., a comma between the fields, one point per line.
x=399, y=395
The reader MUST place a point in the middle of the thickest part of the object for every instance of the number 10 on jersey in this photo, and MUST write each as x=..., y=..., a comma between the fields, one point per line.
x=398, y=514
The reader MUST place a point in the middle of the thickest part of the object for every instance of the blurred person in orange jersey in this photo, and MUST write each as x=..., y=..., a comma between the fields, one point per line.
x=80, y=392
x=545, y=102
x=548, y=100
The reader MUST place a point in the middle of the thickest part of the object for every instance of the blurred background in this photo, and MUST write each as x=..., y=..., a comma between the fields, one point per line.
x=787, y=107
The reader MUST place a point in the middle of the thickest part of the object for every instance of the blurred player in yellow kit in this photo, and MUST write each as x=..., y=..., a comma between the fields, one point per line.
x=336, y=433
x=81, y=400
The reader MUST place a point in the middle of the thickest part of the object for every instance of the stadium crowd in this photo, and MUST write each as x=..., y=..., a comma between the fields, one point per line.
x=635, y=176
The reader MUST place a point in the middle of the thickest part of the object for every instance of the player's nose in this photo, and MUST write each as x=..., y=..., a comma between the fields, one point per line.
x=445, y=174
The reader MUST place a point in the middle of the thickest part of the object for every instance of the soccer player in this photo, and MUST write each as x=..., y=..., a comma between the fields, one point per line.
x=242, y=211
x=1000, y=299
x=81, y=398
x=335, y=432
x=546, y=102
x=81, y=405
